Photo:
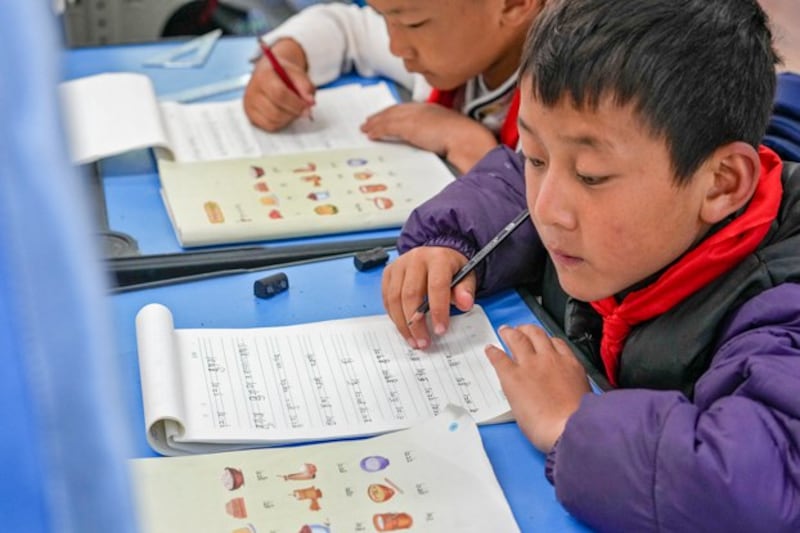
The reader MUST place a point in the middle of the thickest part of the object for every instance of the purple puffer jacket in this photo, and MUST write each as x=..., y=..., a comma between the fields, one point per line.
x=647, y=460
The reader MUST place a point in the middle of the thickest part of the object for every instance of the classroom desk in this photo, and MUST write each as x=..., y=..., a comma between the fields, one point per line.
x=130, y=181
x=327, y=290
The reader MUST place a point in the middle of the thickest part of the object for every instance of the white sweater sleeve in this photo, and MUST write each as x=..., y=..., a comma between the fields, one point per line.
x=338, y=38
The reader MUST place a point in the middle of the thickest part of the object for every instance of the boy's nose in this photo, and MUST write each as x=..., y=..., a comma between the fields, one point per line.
x=550, y=202
x=399, y=44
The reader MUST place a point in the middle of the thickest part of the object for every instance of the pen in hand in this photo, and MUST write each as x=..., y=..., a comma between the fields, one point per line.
x=280, y=71
x=476, y=259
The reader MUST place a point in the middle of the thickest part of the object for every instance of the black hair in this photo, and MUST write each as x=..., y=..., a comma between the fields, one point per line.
x=699, y=73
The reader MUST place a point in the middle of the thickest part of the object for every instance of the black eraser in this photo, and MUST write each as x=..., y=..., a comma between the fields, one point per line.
x=370, y=258
x=271, y=285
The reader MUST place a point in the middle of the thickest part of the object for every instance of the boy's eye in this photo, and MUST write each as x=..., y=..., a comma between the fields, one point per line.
x=414, y=25
x=591, y=180
x=536, y=163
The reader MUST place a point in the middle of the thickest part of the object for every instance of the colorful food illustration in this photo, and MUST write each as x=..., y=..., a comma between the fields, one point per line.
x=363, y=175
x=256, y=171
x=214, y=212
x=307, y=471
x=318, y=195
x=313, y=179
x=379, y=493
x=392, y=521
x=374, y=463
x=268, y=200
x=309, y=493
x=236, y=508
x=326, y=209
x=372, y=187
x=383, y=203
x=356, y=162
x=232, y=478
x=315, y=528
x=310, y=167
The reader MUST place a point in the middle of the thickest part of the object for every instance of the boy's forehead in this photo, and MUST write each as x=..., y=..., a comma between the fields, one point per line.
x=607, y=103
x=608, y=128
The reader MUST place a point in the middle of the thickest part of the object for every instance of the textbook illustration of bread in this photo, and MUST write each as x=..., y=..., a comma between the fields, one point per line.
x=210, y=390
x=434, y=476
x=310, y=193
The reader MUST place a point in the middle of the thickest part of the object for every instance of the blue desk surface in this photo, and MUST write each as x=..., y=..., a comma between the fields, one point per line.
x=131, y=183
x=322, y=291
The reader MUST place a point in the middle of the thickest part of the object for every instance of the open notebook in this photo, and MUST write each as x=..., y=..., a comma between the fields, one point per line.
x=215, y=389
x=112, y=113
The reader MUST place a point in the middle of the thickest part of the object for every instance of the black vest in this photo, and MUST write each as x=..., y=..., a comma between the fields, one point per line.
x=672, y=350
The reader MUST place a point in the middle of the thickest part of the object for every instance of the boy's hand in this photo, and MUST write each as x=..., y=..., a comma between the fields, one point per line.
x=268, y=102
x=543, y=382
x=426, y=270
x=461, y=140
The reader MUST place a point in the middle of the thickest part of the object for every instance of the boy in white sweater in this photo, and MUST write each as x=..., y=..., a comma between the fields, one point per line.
x=460, y=54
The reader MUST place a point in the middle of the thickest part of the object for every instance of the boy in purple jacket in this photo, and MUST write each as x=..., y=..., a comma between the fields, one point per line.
x=665, y=242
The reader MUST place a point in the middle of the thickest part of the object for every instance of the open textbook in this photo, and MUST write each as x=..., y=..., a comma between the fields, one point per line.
x=434, y=476
x=295, y=195
x=108, y=114
x=215, y=389
x=225, y=181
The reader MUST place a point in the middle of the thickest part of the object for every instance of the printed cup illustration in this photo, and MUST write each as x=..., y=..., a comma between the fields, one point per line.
x=232, y=478
x=379, y=493
x=392, y=521
x=310, y=493
x=374, y=463
x=356, y=162
x=307, y=471
x=249, y=528
x=236, y=508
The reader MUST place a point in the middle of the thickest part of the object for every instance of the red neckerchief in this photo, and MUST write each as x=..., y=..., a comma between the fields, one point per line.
x=509, y=135
x=712, y=258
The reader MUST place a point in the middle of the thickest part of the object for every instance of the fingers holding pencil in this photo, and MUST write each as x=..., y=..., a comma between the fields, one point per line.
x=422, y=275
x=269, y=101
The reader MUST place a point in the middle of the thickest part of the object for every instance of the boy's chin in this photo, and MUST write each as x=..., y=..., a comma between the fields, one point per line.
x=581, y=290
x=441, y=83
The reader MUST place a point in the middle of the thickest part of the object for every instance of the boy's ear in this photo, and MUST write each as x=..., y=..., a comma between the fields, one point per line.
x=733, y=173
x=517, y=12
